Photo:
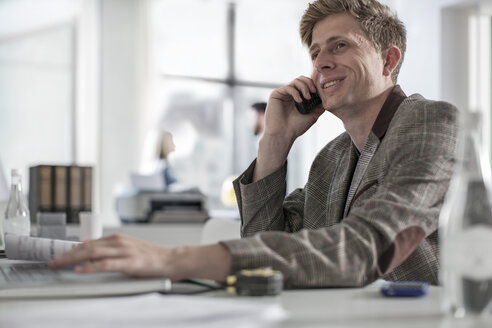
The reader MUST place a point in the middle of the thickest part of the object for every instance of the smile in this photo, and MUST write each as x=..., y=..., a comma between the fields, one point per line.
x=331, y=83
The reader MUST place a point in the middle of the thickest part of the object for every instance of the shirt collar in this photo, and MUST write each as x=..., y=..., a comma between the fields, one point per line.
x=395, y=98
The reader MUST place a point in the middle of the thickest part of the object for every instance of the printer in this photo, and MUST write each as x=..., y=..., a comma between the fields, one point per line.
x=162, y=206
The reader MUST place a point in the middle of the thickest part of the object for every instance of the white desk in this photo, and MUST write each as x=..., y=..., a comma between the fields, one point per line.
x=338, y=307
x=304, y=308
x=365, y=308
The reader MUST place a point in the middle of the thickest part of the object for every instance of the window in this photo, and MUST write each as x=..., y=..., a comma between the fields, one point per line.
x=36, y=98
x=466, y=66
x=214, y=59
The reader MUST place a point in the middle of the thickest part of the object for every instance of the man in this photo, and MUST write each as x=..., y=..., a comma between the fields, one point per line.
x=259, y=119
x=371, y=204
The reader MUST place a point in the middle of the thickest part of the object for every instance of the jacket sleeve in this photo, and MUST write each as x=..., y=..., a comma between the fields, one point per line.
x=263, y=205
x=387, y=222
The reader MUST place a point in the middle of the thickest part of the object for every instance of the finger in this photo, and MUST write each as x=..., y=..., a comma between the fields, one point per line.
x=291, y=92
x=302, y=87
x=118, y=240
x=86, y=252
x=91, y=249
x=104, y=265
x=309, y=82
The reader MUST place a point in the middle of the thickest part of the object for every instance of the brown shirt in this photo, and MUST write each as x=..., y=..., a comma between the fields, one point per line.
x=358, y=218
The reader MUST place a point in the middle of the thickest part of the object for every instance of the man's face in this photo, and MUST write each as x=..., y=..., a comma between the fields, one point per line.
x=347, y=69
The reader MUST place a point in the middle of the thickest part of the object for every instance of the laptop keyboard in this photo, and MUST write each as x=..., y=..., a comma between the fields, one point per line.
x=27, y=272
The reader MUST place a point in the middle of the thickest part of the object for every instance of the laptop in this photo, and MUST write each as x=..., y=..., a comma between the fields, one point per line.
x=22, y=279
x=26, y=274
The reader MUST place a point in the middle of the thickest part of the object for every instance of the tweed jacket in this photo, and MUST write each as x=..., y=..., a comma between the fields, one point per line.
x=360, y=216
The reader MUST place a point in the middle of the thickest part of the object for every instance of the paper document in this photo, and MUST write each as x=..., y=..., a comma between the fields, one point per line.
x=34, y=248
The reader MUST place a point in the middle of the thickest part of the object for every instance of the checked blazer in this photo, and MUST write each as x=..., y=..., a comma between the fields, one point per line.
x=360, y=216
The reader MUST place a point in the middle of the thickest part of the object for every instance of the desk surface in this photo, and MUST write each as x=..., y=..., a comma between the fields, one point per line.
x=336, y=307
x=304, y=308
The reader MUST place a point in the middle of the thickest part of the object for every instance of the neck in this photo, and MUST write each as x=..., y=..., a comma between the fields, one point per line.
x=360, y=123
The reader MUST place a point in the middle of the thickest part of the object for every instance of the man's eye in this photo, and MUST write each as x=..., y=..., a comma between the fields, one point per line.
x=341, y=45
x=314, y=55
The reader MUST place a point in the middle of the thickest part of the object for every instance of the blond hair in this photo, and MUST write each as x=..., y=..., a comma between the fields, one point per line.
x=380, y=25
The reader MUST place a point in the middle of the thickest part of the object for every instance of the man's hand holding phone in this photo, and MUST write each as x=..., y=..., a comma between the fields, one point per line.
x=283, y=116
x=308, y=105
x=284, y=123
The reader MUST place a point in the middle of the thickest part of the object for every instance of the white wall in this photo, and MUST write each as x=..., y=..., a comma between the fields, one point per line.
x=422, y=68
x=420, y=72
x=37, y=78
x=122, y=86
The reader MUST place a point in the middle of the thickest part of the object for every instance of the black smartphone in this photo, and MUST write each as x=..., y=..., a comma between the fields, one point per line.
x=308, y=105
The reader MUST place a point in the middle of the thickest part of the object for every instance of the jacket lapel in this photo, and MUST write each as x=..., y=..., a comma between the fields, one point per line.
x=340, y=184
x=379, y=128
x=366, y=155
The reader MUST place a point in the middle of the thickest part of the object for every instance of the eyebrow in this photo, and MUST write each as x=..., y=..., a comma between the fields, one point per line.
x=330, y=39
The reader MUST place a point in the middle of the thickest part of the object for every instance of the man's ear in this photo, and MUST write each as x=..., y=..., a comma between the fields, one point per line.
x=391, y=58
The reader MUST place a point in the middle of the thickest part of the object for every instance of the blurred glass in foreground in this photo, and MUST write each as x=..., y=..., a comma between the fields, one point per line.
x=466, y=227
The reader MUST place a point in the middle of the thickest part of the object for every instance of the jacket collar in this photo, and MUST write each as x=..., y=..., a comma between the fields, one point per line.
x=395, y=98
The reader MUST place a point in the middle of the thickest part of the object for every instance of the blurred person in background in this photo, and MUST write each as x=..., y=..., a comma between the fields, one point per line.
x=165, y=146
x=259, y=117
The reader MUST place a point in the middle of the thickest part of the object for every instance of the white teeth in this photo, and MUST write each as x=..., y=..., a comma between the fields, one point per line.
x=329, y=84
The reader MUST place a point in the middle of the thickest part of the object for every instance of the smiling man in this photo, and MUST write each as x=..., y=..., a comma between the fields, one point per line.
x=371, y=204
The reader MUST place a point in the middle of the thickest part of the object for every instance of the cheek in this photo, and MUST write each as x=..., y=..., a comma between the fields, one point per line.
x=314, y=75
x=362, y=70
x=377, y=64
x=371, y=69
x=315, y=78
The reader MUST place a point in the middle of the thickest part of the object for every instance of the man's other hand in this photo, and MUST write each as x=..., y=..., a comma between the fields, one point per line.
x=133, y=257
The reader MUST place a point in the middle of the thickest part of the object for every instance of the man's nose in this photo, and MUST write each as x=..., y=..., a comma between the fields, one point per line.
x=324, y=61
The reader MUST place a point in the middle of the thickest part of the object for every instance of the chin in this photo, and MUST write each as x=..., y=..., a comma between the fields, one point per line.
x=331, y=104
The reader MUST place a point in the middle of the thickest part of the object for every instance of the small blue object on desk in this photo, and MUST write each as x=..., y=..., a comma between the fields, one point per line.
x=405, y=288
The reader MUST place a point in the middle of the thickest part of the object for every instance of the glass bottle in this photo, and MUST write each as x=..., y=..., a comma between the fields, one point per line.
x=17, y=220
x=465, y=231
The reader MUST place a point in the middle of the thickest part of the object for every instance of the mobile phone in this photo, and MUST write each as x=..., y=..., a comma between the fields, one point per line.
x=308, y=105
x=404, y=288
